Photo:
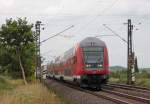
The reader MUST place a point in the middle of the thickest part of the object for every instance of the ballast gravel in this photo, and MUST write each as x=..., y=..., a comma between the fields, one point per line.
x=74, y=96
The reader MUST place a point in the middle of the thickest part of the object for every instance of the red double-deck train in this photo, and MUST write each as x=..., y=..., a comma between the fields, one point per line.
x=86, y=64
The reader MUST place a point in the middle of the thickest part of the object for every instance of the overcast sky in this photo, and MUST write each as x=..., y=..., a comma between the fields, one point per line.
x=87, y=16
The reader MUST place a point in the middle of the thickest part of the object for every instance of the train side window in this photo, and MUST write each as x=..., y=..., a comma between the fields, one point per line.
x=74, y=59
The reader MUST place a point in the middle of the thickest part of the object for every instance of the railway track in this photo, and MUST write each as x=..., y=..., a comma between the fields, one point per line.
x=124, y=98
x=136, y=91
x=129, y=96
x=130, y=87
x=105, y=96
x=114, y=96
x=140, y=94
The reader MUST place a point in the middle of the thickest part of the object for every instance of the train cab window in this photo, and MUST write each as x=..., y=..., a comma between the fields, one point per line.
x=93, y=57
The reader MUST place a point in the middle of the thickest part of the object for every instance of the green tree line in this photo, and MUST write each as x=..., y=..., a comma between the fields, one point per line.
x=17, y=49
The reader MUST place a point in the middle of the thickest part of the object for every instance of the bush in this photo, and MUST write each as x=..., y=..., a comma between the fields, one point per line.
x=120, y=76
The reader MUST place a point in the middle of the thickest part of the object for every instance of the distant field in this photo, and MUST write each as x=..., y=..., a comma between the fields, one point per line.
x=14, y=92
x=120, y=76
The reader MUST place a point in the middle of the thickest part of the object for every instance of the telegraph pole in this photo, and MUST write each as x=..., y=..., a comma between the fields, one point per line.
x=132, y=66
x=38, y=70
x=130, y=55
x=38, y=56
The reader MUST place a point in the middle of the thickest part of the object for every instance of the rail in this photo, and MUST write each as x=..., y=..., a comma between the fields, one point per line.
x=137, y=98
x=130, y=87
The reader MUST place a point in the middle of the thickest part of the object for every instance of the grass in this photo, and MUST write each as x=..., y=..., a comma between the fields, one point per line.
x=34, y=93
x=5, y=84
x=62, y=98
x=120, y=76
x=14, y=92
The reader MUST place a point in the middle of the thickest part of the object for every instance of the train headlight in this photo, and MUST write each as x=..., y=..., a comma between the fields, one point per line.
x=99, y=65
x=88, y=65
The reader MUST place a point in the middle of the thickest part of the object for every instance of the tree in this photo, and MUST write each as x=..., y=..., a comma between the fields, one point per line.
x=17, y=37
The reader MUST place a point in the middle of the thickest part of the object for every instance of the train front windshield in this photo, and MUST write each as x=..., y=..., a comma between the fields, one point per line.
x=93, y=57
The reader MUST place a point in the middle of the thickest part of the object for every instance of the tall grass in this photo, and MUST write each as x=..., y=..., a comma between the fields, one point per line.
x=34, y=93
x=4, y=84
x=13, y=91
x=7, y=83
x=120, y=76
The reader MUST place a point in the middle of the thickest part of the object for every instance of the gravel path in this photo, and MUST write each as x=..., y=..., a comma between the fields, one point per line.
x=75, y=96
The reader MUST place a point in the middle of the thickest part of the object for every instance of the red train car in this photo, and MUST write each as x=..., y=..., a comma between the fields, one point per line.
x=86, y=64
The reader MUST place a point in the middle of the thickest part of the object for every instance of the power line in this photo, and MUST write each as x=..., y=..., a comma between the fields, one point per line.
x=103, y=35
x=106, y=9
x=59, y=11
x=56, y=34
x=53, y=37
x=114, y=33
x=46, y=52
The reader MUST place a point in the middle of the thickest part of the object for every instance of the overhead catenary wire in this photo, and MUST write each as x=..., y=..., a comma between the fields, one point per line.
x=115, y=33
x=103, y=35
x=56, y=34
x=103, y=11
x=57, y=13
x=46, y=52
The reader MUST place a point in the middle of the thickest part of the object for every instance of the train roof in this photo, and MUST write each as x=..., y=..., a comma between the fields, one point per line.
x=89, y=41
x=92, y=41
